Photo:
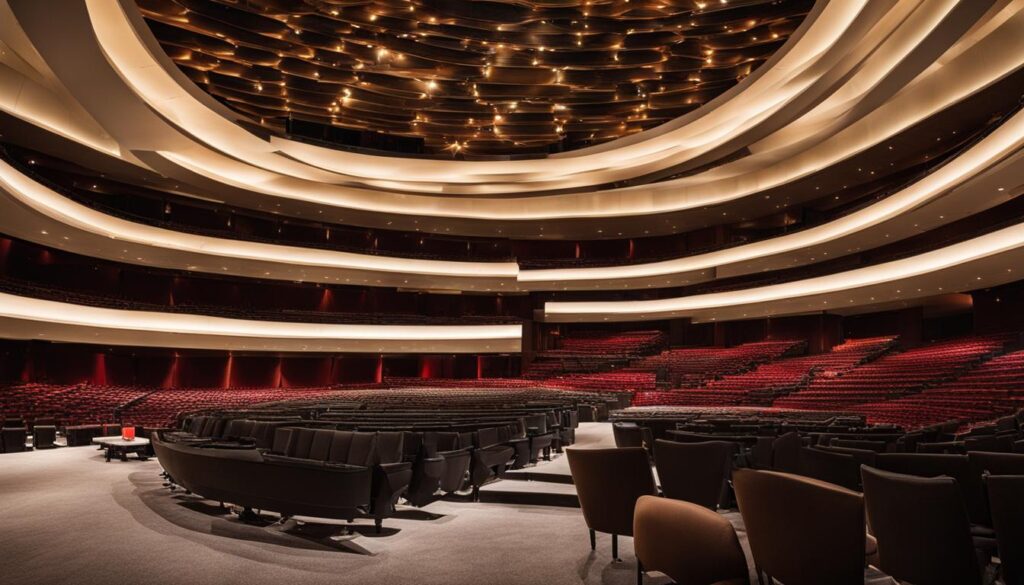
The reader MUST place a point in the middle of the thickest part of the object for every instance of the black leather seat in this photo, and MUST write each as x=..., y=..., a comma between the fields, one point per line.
x=44, y=436
x=253, y=479
x=694, y=472
x=14, y=439
x=922, y=528
x=1008, y=518
x=540, y=439
x=456, y=458
x=837, y=468
x=391, y=475
x=489, y=459
x=935, y=464
x=427, y=469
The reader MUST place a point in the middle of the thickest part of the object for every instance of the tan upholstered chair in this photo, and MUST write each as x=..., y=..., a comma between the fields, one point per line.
x=802, y=531
x=687, y=542
x=608, y=483
x=694, y=472
x=922, y=528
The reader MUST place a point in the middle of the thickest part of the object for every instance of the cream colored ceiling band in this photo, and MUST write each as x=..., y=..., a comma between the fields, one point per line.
x=29, y=318
x=976, y=258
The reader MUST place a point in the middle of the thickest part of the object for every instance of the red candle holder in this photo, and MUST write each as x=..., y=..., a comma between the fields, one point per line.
x=128, y=433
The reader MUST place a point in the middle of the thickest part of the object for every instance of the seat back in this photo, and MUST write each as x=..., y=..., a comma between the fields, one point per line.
x=608, y=483
x=231, y=428
x=412, y=446
x=687, y=542
x=694, y=472
x=245, y=429
x=837, y=468
x=486, y=437
x=996, y=463
x=361, y=450
x=13, y=439
x=802, y=531
x=441, y=441
x=936, y=464
x=1004, y=494
x=389, y=447
x=206, y=427
x=282, y=436
x=43, y=436
x=922, y=528
x=786, y=453
x=263, y=434
x=628, y=435
x=537, y=424
x=195, y=424
x=320, y=446
x=341, y=444
x=761, y=453
x=300, y=443
x=216, y=428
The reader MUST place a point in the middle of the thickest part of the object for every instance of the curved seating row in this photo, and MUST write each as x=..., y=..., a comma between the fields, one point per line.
x=370, y=458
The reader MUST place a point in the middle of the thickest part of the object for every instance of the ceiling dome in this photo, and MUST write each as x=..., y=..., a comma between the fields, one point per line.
x=469, y=78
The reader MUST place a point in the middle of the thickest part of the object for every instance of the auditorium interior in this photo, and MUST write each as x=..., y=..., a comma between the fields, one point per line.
x=707, y=292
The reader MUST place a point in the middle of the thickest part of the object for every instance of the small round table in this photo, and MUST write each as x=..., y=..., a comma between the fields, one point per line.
x=116, y=446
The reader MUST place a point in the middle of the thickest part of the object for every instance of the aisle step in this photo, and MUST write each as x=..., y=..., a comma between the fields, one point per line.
x=539, y=493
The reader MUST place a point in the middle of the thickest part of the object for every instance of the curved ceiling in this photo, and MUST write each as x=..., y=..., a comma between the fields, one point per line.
x=833, y=80
x=854, y=76
x=494, y=77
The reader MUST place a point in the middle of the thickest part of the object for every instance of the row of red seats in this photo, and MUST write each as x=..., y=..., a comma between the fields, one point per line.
x=160, y=408
x=600, y=343
x=67, y=404
x=589, y=352
x=993, y=389
x=143, y=406
x=605, y=381
x=895, y=374
x=695, y=365
x=761, y=385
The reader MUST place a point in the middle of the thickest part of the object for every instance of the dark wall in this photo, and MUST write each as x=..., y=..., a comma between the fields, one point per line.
x=907, y=323
x=821, y=331
x=73, y=273
x=1000, y=308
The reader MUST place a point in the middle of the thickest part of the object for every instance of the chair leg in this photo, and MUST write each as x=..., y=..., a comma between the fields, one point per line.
x=593, y=539
x=639, y=572
x=615, y=547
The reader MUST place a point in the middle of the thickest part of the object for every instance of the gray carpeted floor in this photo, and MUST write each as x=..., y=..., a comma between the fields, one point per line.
x=69, y=517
